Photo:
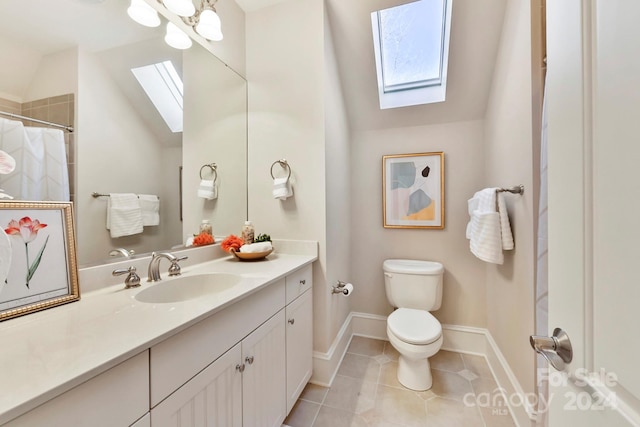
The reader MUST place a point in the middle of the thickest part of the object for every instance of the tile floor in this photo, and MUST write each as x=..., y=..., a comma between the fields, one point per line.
x=365, y=392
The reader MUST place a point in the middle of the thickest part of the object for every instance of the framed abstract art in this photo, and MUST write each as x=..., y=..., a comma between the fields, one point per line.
x=413, y=190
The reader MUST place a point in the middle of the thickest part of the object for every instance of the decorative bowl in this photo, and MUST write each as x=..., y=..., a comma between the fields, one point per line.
x=251, y=256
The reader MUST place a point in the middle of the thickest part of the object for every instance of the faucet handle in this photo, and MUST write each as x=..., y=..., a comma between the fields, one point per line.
x=132, y=280
x=174, y=269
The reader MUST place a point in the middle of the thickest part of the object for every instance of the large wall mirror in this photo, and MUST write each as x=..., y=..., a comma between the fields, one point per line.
x=70, y=62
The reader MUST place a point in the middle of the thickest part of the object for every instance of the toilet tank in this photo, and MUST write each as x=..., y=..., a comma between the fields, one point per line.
x=413, y=283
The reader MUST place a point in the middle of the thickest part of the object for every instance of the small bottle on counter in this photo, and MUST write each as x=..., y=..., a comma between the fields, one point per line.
x=205, y=227
x=248, y=233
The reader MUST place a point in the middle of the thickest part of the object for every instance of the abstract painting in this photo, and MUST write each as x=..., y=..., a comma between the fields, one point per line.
x=413, y=190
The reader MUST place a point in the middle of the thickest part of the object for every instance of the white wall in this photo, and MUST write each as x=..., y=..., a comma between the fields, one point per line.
x=338, y=177
x=508, y=147
x=57, y=74
x=285, y=71
x=464, y=285
x=19, y=64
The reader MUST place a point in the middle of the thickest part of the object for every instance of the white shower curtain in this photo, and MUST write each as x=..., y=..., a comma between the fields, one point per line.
x=542, y=310
x=41, y=163
x=54, y=184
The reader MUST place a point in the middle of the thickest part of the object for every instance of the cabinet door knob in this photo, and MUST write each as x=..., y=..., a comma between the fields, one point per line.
x=303, y=281
x=240, y=368
x=249, y=360
x=292, y=321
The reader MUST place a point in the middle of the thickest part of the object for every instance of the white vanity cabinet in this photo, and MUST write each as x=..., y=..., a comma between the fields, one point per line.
x=211, y=398
x=299, y=316
x=245, y=386
x=299, y=337
x=117, y=397
x=239, y=367
x=263, y=378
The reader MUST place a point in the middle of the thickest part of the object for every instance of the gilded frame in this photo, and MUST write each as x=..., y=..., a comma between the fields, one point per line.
x=38, y=264
x=413, y=190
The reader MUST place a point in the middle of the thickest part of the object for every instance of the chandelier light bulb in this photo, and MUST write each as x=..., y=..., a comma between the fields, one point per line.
x=177, y=38
x=180, y=7
x=209, y=25
x=143, y=14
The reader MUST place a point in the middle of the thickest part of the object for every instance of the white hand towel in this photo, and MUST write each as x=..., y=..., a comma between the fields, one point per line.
x=256, y=247
x=489, y=230
x=124, y=216
x=485, y=242
x=282, y=188
x=150, y=208
x=207, y=189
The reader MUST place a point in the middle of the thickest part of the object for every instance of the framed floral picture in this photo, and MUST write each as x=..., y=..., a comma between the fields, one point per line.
x=413, y=190
x=38, y=266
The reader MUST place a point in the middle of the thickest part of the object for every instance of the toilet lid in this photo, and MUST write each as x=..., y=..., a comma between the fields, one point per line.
x=414, y=326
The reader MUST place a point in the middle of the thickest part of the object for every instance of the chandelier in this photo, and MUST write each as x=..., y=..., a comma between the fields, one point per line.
x=204, y=20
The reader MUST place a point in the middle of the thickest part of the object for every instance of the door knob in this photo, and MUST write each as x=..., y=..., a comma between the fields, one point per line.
x=556, y=349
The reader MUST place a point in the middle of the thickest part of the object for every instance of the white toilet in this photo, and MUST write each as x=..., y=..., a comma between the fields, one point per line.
x=414, y=287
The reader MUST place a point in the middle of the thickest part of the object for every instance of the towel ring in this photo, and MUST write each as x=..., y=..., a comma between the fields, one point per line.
x=213, y=168
x=283, y=163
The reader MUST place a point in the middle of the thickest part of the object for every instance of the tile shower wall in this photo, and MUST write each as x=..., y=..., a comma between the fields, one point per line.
x=57, y=109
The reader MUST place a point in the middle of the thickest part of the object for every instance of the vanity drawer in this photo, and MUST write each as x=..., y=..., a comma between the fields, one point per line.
x=116, y=397
x=298, y=282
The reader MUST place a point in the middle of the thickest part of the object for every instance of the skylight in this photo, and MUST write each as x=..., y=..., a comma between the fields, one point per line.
x=164, y=88
x=411, y=44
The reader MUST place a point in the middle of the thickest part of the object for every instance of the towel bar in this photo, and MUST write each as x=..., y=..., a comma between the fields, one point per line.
x=519, y=189
x=96, y=195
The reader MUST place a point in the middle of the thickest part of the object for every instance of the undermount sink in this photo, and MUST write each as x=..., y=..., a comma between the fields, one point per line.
x=184, y=288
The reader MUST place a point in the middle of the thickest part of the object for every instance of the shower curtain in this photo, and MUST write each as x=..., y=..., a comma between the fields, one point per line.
x=41, y=162
x=542, y=312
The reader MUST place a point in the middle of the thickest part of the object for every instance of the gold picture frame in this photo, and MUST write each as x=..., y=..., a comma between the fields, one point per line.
x=413, y=190
x=38, y=264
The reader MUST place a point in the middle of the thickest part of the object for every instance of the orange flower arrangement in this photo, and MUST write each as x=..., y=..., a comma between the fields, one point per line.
x=203, y=239
x=231, y=242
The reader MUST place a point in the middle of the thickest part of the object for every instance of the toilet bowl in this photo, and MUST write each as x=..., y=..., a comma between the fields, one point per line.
x=414, y=287
x=416, y=335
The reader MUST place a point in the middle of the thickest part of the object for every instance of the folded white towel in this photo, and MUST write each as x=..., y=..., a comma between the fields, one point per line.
x=282, y=188
x=489, y=230
x=207, y=189
x=256, y=247
x=124, y=216
x=150, y=208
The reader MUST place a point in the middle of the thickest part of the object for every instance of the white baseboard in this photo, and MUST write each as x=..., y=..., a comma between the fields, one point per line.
x=461, y=339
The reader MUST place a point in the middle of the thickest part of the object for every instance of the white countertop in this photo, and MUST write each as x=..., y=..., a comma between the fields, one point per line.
x=47, y=353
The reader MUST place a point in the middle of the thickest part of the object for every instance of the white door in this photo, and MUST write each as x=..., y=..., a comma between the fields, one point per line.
x=593, y=101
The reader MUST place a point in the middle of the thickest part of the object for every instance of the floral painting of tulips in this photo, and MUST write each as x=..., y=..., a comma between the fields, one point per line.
x=27, y=230
x=38, y=243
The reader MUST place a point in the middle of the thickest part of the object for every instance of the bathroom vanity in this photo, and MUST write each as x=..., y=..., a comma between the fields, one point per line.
x=238, y=356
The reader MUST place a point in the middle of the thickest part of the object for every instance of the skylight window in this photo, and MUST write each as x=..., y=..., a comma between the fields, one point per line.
x=164, y=88
x=411, y=44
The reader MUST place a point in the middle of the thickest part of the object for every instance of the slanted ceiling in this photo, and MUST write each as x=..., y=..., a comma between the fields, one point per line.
x=475, y=34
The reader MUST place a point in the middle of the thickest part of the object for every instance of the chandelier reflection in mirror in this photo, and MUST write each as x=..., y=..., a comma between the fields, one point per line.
x=204, y=20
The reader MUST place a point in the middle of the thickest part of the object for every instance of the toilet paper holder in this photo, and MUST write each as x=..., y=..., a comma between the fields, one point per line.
x=340, y=288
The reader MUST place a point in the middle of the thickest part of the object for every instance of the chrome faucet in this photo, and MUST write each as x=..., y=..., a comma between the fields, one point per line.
x=121, y=251
x=153, y=274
